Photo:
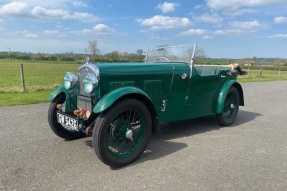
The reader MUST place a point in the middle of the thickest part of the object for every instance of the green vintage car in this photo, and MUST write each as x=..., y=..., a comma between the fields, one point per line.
x=121, y=104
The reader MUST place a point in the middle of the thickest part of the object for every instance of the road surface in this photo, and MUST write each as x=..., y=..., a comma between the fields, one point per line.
x=196, y=155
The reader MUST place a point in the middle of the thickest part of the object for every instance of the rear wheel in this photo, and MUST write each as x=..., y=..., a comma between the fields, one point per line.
x=57, y=128
x=231, y=107
x=122, y=133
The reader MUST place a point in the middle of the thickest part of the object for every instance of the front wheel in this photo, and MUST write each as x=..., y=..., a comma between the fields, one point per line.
x=230, y=110
x=57, y=128
x=122, y=133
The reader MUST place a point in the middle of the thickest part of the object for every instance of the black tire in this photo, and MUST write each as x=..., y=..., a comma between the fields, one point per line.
x=102, y=132
x=231, y=108
x=57, y=128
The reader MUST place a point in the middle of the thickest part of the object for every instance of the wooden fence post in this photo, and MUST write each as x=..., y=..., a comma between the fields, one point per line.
x=22, y=77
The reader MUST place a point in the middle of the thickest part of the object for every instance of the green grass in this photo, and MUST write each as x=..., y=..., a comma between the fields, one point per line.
x=266, y=75
x=16, y=98
x=42, y=76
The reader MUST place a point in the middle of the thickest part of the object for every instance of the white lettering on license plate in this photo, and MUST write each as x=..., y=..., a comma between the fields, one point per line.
x=67, y=122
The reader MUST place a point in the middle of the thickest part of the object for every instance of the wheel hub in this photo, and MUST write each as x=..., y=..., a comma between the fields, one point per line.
x=129, y=135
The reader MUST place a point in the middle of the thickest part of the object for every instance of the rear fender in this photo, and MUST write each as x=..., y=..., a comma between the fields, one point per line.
x=223, y=93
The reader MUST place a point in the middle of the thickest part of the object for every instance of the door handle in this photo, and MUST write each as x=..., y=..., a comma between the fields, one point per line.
x=183, y=76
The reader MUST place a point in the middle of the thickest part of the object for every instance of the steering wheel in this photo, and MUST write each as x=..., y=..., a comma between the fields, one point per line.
x=164, y=59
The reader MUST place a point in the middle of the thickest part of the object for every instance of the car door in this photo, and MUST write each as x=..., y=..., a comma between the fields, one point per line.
x=201, y=93
x=174, y=108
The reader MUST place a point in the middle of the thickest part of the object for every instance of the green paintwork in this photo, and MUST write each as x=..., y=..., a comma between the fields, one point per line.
x=58, y=90
x=71, y=97
x=173, y=97
x=114, y=95
x=222, y=95
x=119, y=140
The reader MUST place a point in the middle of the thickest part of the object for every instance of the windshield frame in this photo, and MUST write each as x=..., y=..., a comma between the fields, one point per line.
x=156, y=56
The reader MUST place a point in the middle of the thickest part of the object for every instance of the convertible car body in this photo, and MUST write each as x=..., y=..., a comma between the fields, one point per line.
x=120, y=104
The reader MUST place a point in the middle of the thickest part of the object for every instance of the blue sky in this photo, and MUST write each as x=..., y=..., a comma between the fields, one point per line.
x=233, y=28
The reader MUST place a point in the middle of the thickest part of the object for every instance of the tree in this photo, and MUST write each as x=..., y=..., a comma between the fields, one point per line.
x=200, y=56
x=200, y=53
x=93, y=48
x=140, y=52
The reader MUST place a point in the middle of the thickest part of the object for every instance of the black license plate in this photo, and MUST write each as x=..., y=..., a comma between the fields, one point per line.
x=68, y=122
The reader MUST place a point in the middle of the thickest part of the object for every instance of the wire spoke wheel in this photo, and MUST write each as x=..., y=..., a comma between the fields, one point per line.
x=125, y=133
x=230, y=109
x=229, y=106
x=122, y=133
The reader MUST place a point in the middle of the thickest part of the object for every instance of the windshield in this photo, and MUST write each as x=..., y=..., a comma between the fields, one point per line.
x=180, y=54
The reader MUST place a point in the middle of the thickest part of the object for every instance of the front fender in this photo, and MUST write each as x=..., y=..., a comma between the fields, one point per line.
x=57, y=91
x=222, y=95
x=109, y=99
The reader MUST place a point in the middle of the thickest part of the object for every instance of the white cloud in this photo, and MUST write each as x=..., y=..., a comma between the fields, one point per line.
x=158, y=22
x=51, y=32
x=227, y=32
x=211, y=19
x=207, y=37
x=250, y=26
x=278, y=36
x=30, y=9
x=27, y=34
x=238, y=4
x=42, y=12
x=79, y=4
x=194, y=32
x=241, y=12
x=31, y=35
x=16, y=8
x=102, y=28
x=280, y=20
x=45, y=3
x=167, y=7
x=98, y=29
x=198, y=6
x=239, y=27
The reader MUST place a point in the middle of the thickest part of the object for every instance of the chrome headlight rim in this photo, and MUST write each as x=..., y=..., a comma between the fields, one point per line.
x=93, y=67
x=90, y=82
x=70, y=80
x=89, y=75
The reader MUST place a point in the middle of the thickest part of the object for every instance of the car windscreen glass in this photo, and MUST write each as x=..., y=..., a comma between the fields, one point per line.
x=166, y=54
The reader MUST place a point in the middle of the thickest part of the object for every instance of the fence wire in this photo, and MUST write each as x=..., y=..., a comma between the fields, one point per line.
x=46, y=76
x=37, y=76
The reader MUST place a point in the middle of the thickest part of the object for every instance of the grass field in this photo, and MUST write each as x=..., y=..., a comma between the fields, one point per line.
x=41, y=77
x=266, y=75
x=38, y=76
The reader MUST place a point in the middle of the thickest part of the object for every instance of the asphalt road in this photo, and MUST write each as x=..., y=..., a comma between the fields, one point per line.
x=195, y=155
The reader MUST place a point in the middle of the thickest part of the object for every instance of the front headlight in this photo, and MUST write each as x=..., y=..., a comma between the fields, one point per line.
x=70, y=80
x=89, y=83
